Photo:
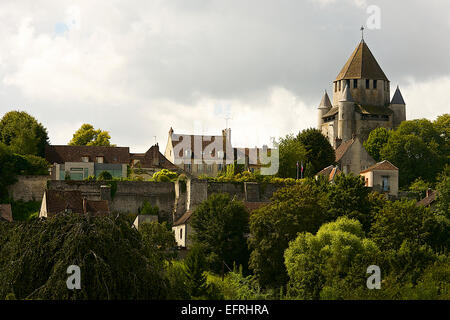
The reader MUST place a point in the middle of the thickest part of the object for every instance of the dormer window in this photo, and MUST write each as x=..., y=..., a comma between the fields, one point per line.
x=84, y=159
x=99, y=159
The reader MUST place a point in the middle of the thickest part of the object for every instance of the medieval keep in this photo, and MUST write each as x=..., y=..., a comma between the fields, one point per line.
x=361, y=102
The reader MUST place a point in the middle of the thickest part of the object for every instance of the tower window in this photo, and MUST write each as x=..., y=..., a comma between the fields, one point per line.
x=335, y=86
x=367, y=84
x=339, y=85
x=374, y=84
x=355, y=83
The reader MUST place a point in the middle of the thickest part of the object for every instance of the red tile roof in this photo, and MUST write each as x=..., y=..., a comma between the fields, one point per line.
x=383, y=165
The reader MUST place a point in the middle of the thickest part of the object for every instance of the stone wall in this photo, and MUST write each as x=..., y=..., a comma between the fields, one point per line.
x=28, y=188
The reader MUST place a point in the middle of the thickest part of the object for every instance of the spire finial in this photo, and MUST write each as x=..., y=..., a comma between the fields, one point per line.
x=362, y=33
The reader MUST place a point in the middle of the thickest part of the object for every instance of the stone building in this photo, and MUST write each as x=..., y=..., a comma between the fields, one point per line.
x=382, y=177
x=361, y=94
x=361, y=102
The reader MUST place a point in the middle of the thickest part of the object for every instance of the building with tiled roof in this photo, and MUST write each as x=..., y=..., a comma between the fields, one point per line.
x=361, y=100
x=382, y=177
x=58, y=201
x=351, y=156
x=429, y=200
x=183, y=230
x=329, y=172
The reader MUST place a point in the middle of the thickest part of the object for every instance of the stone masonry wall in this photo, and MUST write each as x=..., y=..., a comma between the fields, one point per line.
x=28, y=188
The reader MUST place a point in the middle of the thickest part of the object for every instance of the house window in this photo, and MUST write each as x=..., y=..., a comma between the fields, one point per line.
x=355, y=83
x=85, y=159
x=385, y=183
x=374, y=84
x=99, y=159
x=367, y=84
x=187, y=167
x=181, y=234
x=367, y=182
x=200, y=168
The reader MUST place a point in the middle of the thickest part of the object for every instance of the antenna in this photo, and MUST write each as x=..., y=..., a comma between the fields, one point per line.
x=362, y=33
x=155, y=138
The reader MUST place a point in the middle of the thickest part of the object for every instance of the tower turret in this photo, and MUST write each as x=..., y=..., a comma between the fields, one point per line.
x=324, y=107
x=346, y=111
x=398, y=105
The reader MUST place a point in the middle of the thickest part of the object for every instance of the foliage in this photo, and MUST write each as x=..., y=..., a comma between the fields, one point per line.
x=319, y=152
x=25, y=210
x=164, y=175
x=176, y=281
x=104, y=175
x=338, y=255
x=443, y=193
x=402, y=220
x=148, y=209
x=220, y=225
x=291, y=151
x=195, y=265
x=420, y=186
x=157, y=239
x=88, y=136
x=23, y=134
x=34, y=257
x=418, y=149
x=293, y=209
x=376, y=141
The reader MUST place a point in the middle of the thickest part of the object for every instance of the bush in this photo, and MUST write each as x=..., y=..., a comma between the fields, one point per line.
x=164, y=175
x=104, y=175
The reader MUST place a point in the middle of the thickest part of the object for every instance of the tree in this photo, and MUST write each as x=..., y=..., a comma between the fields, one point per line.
x=35, y=255
x=157, y=239
x=294, y=209
x=88, y=136
x=418, y=149
x=104, y=175
x=195, y=264
x=291, y=151
x=164, y=175
x=23, y=134
x=376, y=141
x=443, y=193
x=147, y=208
x=402, y=220
x=420, y=186
x=319, y=152
x=220, y=225
x=336, y=257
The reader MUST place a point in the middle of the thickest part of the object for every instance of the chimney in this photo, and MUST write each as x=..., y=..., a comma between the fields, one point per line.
x=428, y=192
x=84, y=205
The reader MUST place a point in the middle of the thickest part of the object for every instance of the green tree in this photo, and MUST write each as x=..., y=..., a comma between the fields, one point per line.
x=148, y=209
x=23, y=134
x=376, y=141
x=165, y=175
x=157, y=239
x=35, y=255
x=104, y=175
x=336, y=257
x=195, y=265
x=443, y=193
x=319, y=152
x=294, y=209
x=420, y=186
x=88, y=136
x=220, y=225
x=291, y=151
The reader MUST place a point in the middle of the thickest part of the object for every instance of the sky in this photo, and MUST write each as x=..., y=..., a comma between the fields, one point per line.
x=136, y=68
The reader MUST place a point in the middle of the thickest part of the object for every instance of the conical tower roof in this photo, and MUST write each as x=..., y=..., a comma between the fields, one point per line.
x=347, y=96
x=397, y=98
x=362, y=64
x=325, y=103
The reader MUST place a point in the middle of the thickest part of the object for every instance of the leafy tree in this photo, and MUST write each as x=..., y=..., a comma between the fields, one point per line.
x=34, y=257
x=23, y=134
x=417, y=149
x=157, y=239
x=402, y=220
x=319, y=152
x=293, y=209
x=291, y=151
x=420, y=186
x=147, y=208
x=376, y=141
x=165, y=175
x=220, y=225
x=336, y=257
x=88, y=136
x=195, y=265
x=443, y=193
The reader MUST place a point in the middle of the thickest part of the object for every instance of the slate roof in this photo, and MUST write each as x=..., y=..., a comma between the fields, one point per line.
x=332, y=112
x=62, y=154
x=6, y=212
x=397, y=98
x=325, y=103
x=379, y=110
x=383, y=165
x=362, y=65
x=153, y=159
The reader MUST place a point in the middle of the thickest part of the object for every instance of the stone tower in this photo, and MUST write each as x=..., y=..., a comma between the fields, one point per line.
x=361, y=100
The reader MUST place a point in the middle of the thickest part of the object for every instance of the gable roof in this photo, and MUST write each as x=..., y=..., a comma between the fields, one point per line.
x=383, y=165
x=153, y=159
x=6, y=212
x=343, y=148
x=330, y=172
x=58, y=201
x=362, y=64
x=62, y=154
x=184, y=218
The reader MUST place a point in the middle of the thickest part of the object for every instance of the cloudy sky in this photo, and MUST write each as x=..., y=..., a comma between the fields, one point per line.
x=138, y=67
